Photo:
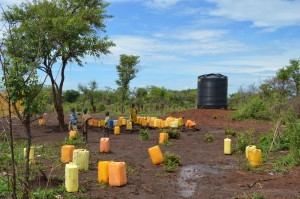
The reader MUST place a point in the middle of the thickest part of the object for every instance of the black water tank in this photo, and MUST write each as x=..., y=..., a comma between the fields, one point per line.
x=212, y=91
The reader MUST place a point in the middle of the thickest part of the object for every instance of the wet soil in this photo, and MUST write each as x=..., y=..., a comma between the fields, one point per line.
x=205, y=171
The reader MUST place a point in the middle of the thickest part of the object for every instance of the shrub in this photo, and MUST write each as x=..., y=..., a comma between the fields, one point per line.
x=173, y=133
x=171, y=161
x=208, y=137
x=255, y=108
x=75, y=140
x=230, y=132
x=244, y=138
x=144, y=135
x=292, y=139
x=167, y=143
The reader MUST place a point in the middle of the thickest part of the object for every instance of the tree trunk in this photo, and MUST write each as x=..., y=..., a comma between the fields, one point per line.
x=14, y=187
x=93, y=105
x=57, y=99
x=61, y=117
x=26, y=190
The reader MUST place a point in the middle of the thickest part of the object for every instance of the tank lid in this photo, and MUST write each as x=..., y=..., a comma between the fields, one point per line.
x=213, y=75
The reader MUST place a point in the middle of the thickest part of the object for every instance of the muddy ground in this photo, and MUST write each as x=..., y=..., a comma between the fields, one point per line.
x=205, y=171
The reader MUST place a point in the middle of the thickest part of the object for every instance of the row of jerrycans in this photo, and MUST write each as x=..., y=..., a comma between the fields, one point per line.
x=121, y=121
x=70, y=154
x=112, y=173
x=253, y=155
x=160, y=123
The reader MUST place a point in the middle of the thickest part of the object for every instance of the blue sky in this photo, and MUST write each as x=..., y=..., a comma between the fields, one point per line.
x=179, y=40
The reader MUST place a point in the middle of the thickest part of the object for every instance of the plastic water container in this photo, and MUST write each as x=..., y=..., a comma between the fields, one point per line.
x=31, y=155
x=103, y=172
x=117, y=173
x=155, y=155
x=95, y=123
x=104, y=145
x=180, y=121
x=163, y=137
x=91, y=122
x=254, y=157
x=116, y=130
x=123, y=121
x=174, y=124
x=144, y=122
x=115, y=122
x=102, y=122
x=111, y=123
x=42, y=122
x=119, y=122
x=129, y=126
x=81, y=159
x=72, y=133
x=71, y=177
x=248, y=148
x=162, y=124
x=67, y=153
x=227, y=146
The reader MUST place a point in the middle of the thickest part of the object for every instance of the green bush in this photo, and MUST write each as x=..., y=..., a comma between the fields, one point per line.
x=291, y=136
x=173, y=133
x=167, y=143
x=208, y=137
x=144, y=135
x=283, y=162
x=171, y=161
x=243, y=139
x=230, y=132
x=75, y=140
x=255, y=108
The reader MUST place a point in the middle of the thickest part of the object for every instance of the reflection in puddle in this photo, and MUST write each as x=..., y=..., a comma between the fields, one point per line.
x=189, y=174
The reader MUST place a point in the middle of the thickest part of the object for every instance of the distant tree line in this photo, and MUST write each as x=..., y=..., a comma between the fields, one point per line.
x=151, y=99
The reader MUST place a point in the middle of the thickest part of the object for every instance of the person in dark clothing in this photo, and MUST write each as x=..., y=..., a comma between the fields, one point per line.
x=106, y=124
x=85, y=118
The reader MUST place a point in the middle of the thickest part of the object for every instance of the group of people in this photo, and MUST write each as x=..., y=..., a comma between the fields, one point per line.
x=73, y=121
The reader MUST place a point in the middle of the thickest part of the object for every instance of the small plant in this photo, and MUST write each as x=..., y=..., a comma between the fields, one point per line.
x=75, y=140
x=167, y=143
x=131, y=169
x=230, y=132
x=173, y=133
x=171, y=161
x=244, y=138
x=103, y=185
x=285, y=162
x=208, y=137
x=144, y=135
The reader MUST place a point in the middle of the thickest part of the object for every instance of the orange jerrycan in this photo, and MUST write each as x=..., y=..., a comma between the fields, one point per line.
x=117, y=173
x=155, y=155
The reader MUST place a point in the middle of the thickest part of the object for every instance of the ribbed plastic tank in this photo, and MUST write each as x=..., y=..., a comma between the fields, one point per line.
x=212, y=91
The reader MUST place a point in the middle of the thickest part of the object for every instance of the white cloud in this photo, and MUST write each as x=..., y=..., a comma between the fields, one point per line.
x=270, y=15
x=161, y=4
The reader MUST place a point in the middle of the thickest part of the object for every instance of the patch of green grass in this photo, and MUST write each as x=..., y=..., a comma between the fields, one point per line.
x=103, y=185
x=254, y=195
x=208, y=137
x=75, y=140
x=173, y=133
x=4, y=187
x=143, y=135
x=131, y=169
x=284, y=162
x=244, y=139
x=46, y=193
x=230, y=132
x=171, y=161
x=167, y=143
